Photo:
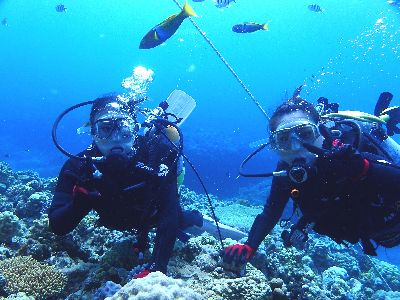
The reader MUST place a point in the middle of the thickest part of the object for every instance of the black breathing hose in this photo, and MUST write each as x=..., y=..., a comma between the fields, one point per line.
x=180, y=152
x=242, y=173
x=55, y=125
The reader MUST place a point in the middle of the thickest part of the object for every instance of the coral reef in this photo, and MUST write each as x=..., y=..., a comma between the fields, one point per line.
x=25, y=274
x=198, y=262
x=93, y=261
x=108, y=290
x=156, y=286
x=9, y=226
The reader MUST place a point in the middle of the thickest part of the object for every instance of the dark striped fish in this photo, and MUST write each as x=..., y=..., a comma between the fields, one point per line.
x=223, y=3
x=315, y=8
x=61, y=8
x=248, y=27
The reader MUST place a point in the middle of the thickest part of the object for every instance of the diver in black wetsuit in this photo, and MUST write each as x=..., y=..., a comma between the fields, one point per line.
x=349, y=195
x=134, y=186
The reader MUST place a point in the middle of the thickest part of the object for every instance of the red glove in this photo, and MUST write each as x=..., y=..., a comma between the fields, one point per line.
x=83, y=195
x=338, y=161
x=238, y=254
x=142, y=274
x=78, y=190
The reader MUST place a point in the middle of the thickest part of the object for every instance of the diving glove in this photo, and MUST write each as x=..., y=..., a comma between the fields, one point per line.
x=342, y=161
x=235, y=258
x=84, y=197
x=337, y=160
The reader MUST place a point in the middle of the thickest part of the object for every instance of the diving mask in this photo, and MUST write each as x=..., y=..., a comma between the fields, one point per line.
x=289, y=138
x=125, y=128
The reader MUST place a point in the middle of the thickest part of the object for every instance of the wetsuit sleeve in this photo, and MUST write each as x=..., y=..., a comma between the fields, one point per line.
x=65, y=212
x=381, y=173
x=167, y=225
x=273, y=209
x=385, y=178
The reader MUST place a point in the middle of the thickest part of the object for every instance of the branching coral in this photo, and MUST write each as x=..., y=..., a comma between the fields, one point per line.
x=25, y=274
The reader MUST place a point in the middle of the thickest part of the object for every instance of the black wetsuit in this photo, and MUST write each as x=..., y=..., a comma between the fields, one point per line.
x=345, y=210
x=132, y=197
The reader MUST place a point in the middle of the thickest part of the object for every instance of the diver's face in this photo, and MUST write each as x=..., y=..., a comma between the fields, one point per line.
x=293, y=129
x=114, y=132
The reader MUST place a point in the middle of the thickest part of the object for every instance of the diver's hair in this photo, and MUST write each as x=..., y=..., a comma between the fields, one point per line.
x=103, y=104
x=290, y=105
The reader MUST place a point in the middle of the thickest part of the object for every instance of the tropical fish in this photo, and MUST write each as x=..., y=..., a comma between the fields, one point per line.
x=4, y=22
x=223, y=3
x=249, y=27
x=61, y=8
x=163, y=31
x=315, y=8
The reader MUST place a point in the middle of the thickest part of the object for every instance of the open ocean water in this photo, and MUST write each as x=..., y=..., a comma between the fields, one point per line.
x=50, y=60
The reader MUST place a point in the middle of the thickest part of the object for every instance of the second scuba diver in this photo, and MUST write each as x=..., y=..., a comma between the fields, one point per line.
x=342, y=192
x=133, y=186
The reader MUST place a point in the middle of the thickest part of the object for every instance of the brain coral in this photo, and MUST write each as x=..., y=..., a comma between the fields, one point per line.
x=155, y=286
x=25, y=274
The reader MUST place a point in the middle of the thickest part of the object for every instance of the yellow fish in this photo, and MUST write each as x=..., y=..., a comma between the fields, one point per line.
x=163, y=31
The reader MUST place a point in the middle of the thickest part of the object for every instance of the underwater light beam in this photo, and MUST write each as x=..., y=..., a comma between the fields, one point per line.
x=226, y=63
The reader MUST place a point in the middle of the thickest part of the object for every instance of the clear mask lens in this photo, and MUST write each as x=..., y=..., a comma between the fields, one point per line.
x=284, y=139
x=125, y=128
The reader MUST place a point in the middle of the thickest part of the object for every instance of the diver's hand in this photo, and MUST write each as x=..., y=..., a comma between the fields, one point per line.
x=82, y=196
x=337, y=160
x=342, y=161
x=142, y=274
x=151, y=267
x=235, y=257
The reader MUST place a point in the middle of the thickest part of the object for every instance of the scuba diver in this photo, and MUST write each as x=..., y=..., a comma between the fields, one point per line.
x=341, y=169
x=129, y=179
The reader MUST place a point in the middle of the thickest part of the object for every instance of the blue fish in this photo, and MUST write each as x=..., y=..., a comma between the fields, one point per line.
x=4, y=22
x=315, y=8
x=197, y=0
x=223, y=3
x=163, y=31
x=249, y=27
x=61, y=8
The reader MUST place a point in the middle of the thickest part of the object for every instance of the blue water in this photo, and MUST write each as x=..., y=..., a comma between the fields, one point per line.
x=50, y=61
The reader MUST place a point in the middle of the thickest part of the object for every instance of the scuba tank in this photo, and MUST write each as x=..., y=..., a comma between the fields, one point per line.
x=365, y=132
x=175, y=109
